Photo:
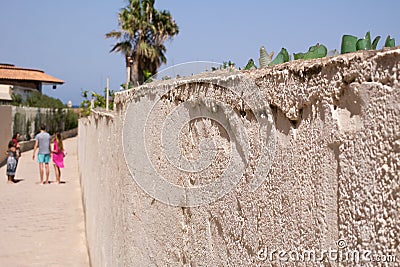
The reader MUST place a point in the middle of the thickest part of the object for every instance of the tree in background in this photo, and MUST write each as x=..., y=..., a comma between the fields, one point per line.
x=37, y=100
x=99, y=101
x=141, y=36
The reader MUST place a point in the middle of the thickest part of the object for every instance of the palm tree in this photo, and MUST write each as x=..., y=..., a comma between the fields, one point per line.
x=141, y=36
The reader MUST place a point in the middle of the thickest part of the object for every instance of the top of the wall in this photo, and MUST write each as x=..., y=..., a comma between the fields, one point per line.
x=290, y=86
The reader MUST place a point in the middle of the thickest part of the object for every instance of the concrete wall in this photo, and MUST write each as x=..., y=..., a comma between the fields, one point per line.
x=5, y=130
x=335, y=174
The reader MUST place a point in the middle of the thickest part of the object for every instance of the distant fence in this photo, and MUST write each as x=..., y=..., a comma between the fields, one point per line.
x=27, y=120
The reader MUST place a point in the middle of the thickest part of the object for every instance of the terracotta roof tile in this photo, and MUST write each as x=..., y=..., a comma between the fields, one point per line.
x=10, y=72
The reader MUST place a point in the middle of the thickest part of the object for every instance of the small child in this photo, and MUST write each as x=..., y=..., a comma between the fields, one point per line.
x=58, y=156
x=12, y=161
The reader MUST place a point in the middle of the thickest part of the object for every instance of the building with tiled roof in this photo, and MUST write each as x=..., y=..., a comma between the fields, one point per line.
x=23, y=81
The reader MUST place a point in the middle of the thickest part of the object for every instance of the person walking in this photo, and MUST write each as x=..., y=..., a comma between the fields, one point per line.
x=15, y=139
x=58, y=156
x=12, y=162
x=43, y=143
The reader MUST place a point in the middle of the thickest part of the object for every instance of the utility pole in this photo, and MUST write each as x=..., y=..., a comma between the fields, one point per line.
x=128, y=72
x=107, y=92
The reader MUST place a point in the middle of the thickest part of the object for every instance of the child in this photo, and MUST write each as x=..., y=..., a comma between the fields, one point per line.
x=15, y=139
x=12, y=162
x=58, y=156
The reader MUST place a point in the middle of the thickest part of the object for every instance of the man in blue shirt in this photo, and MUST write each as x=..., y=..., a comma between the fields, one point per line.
x=43, y=142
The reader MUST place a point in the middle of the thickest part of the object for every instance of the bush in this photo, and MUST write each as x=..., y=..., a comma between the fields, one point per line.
x=16, y=100
x=99, y=101
x=71, y=120
x=37, y=100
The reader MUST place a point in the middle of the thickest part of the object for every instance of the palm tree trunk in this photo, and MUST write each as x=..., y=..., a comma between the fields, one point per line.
x=137, y=75
x=134, y=74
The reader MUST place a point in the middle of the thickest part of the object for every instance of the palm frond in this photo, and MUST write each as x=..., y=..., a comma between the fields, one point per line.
x=142, y=33
x=123, y=47
x=113, y=34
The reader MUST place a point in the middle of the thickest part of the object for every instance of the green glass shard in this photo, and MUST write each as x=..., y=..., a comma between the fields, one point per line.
x=316, y=51
x=364, y=43
x=348, y=44
x=375, y=42
x=390, y=42
x=283, y=56
x=297, y=56
x=368, y=39
x=250, y=65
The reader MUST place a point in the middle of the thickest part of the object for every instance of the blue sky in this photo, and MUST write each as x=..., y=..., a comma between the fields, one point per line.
x=66, y=38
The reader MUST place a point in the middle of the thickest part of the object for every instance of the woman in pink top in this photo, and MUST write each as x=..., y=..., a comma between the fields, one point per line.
x=58, y=156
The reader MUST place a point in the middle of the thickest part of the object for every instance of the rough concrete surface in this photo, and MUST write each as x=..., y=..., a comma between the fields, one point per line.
x=335, y=174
